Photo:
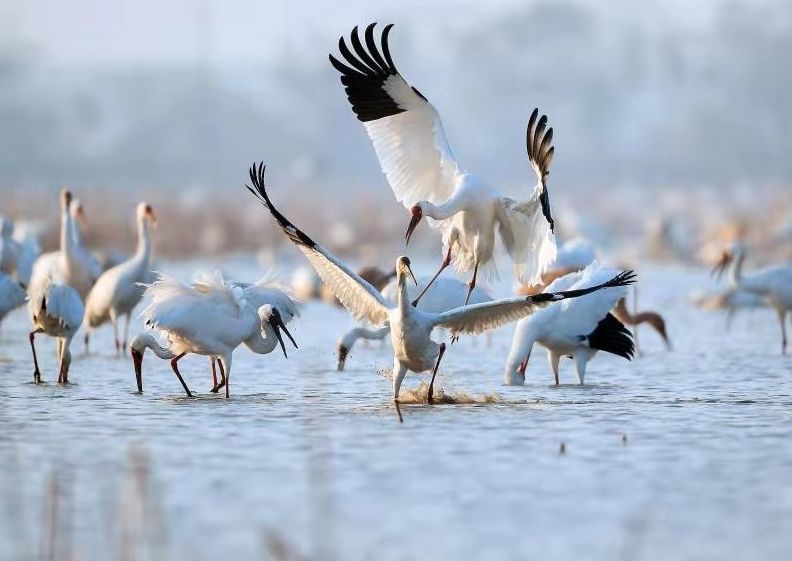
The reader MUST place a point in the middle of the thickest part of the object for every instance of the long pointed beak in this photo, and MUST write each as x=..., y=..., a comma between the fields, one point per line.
x=289, y=335
x=416, y=218
x=277, y=324
x=409, y=270
x=137, y=360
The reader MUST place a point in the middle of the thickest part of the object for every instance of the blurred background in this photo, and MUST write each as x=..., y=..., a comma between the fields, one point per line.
x=667, y=108
x=673, y=136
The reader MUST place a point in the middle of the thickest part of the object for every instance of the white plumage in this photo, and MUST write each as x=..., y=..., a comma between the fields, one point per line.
x=445, y=294
x=12, y=295
x=212, y=317
x=426, y=178
x=411, y=328
x=574, y=255
x=73, y=264
x=56, y=310
x=773, y=284
x=575, y=328
x=119, y=289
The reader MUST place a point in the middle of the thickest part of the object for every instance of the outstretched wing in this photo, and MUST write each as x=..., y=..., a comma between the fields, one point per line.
x=526, y=227
x=403, y=126
x=539, y=144
x=481, y=317
x=362, y=300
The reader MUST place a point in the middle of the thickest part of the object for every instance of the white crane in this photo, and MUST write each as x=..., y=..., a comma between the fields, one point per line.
x=774, y=284
x=212, y=318
x=119, y=289
x=411, y=328
x=73, y=264
x=445, y=294
x=12, y=295
x=576, y=328
x=56, y=310
x=414, y=154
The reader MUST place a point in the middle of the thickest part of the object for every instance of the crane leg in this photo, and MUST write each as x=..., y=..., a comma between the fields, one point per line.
x=126, y=334
x=87, y=340
x=554, y=359
x=471, y=286
x=175, y=367
x=434, y=373
x=59, y=354
x=580, y=367
x=36, y=371
x=472, y=283
x=222, y=383
x=225, y=374
x=114, y=319
x=782, y=321
x=214, y=375
x=446, y=262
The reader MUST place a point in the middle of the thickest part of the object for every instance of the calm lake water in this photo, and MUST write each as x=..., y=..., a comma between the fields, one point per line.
x=316, y=458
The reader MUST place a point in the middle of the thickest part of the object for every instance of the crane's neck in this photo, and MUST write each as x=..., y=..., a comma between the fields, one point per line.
x=402, y=295
x=264, y=341
x=76, y=235
x=145, y=341
x=524, y=338
x=444, y=210
x=143, y=252
x=67, y=235
x=353, y=335
x=735, y=271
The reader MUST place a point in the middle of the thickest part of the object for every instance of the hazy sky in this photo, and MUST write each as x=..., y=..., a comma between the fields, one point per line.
x=161, y=30
x=87, y=31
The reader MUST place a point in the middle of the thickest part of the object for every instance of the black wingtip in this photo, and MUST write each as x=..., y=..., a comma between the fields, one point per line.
x=260, y=192
x=613, y=337
x=623, y=279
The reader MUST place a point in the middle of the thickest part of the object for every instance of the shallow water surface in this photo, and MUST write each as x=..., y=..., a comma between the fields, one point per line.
x=677, y=455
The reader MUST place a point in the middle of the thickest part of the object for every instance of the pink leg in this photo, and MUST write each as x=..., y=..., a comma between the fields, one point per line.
x=175, y=367
x=446, y=262
x=434, y=373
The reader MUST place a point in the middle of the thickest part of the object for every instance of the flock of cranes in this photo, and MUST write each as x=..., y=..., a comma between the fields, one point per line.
x=575, y=307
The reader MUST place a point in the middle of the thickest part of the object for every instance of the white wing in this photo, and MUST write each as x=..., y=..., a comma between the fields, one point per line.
x=772, y=282
x=11, y=294
x=65, y=303
x=445, y=294
x=481, y=317
x=58, y=301
x=478, y=318
x=260, y=294
x=581, y=315
x=172, y=302
x=403, y=126
x=362, y=300
x=526, y=228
